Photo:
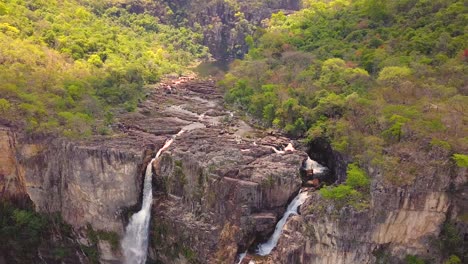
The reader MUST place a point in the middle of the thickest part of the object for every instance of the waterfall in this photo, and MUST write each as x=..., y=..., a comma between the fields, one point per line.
x=311, y=164
x=266, y=248
x=135, y=242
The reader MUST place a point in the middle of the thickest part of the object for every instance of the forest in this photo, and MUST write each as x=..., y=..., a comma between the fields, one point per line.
x=68, y=66
x=383, y=81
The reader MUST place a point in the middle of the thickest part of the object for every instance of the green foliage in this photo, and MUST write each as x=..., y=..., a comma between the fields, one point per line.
x=353, y=192
x=95, y=236
x=338, y=193
x=410, y=259
x=5, y=105
x=24, y=232
x=395, y=132
x=356, y=177
x=453, y=259
x=461, y=160
x=393, y=75
x=451, y=240
x=67, y=63
x=375, y=78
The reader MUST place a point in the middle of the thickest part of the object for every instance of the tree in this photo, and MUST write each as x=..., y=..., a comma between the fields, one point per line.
x=461, y=160
x=453, y=259
x=393, y=75
x=356, y=177
x=4, y=105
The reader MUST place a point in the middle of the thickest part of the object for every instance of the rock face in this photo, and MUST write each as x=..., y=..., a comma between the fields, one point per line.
x=87, y=184
x=12, y=183
x=224, y=24
x=401, y=221
x=220, y=188
x=226, y=29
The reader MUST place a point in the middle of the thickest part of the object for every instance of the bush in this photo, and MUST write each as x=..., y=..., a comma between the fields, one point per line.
x=351, y=192
x=410, y=259
x=357, y=178
x=4, y=105
x=461, y=160
x=453, y=259
x=338, y=193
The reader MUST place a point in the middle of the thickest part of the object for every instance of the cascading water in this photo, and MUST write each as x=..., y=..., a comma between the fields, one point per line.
x=311, y=164
x=135, y=242
x=266, y=248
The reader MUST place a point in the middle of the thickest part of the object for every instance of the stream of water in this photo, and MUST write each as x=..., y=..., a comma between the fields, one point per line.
x=135, y=242
x=266, y=248
x=315, y=166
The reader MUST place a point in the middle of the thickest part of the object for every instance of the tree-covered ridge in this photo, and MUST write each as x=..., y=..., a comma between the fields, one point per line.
x=66, y=65
x=383, y=81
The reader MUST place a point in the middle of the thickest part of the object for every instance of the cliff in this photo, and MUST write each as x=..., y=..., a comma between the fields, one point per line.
x=220, y=189
x=223, y=24
x=409, y=220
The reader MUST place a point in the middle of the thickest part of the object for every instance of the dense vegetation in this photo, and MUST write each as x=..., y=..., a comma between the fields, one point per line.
x=65, y=66
x=23, y=232
x=25, y=235
x=383, y=81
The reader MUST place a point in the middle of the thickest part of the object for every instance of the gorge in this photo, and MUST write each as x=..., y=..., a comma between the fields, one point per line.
x=206, y=208
x=334, y=133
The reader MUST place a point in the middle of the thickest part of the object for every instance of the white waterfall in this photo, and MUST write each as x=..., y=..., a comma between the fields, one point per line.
x=266, y=248
x=135, y=242
x=315, y=166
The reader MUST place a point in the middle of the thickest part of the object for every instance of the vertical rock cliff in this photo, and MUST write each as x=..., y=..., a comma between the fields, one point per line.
x=400, y=222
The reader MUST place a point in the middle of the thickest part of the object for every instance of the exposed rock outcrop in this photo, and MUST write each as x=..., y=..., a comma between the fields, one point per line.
x=400, y=221
x=220, y=188
x=12, y=183
x=224, y=24
x=86, y=183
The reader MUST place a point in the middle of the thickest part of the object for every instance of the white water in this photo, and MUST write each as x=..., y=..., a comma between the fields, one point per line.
x=315, y=166
x=241, y=257
x=289, y=147
x=135, y=242
x=266, y=248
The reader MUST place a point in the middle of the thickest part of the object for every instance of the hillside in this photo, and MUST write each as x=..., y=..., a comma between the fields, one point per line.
x=67, y=66
x=380, y=81
x=377, y=87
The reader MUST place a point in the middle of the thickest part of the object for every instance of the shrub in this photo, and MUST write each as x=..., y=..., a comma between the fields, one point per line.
x=461, y=160
x=453, y=259
x=338, y=193
x=410, y=259
x=393, y=75
x=4, y=105
x=357, y=178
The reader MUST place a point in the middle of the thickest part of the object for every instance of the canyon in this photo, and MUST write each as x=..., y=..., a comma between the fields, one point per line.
x=336, y=135
x=219, y=189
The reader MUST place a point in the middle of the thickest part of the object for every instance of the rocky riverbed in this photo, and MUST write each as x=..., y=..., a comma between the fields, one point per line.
x=220, y=186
